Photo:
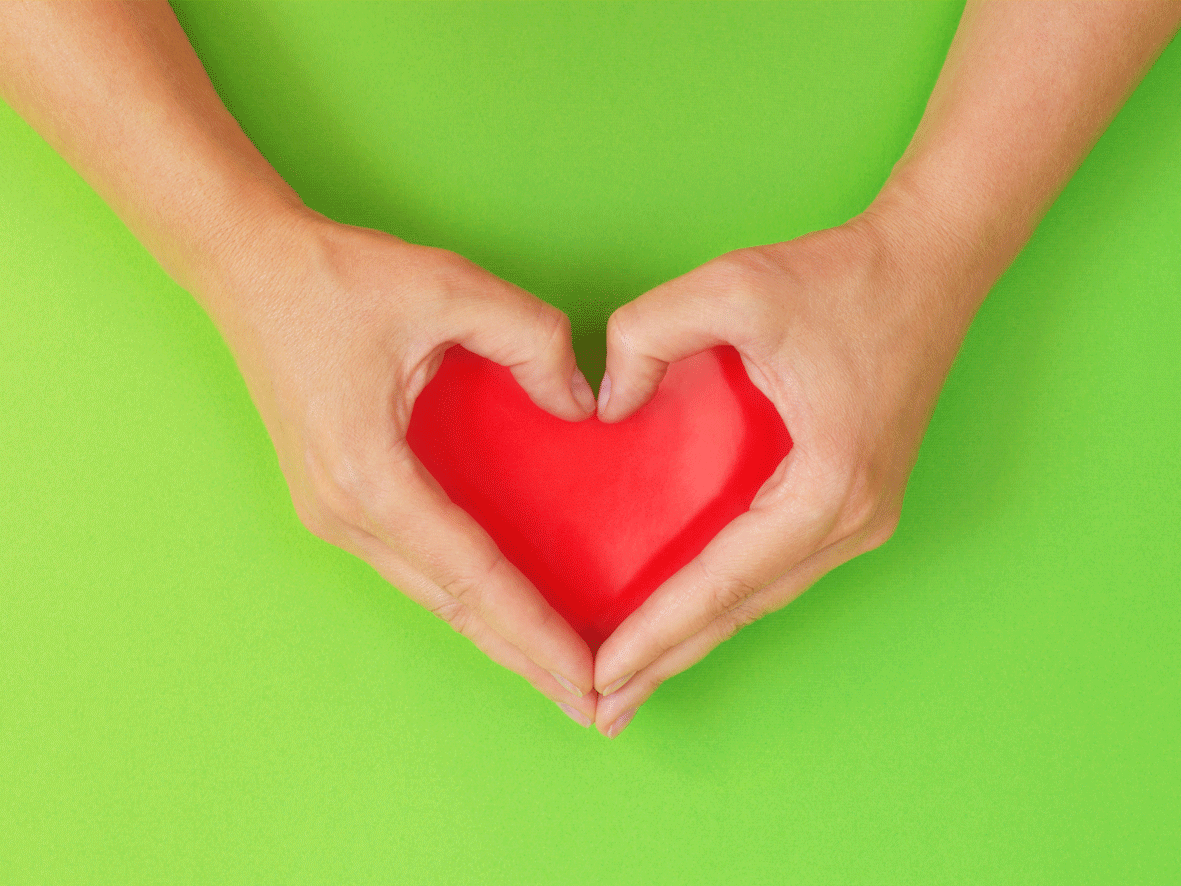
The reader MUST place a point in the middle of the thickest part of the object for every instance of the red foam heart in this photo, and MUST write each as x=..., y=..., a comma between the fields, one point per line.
x=597, y=516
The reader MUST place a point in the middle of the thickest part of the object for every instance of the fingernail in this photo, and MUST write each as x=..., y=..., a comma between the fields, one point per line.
x=618, y=684
x=581, y=389
x=576, y=715
x=604, y=391
x=619, y=725
x=566, y=684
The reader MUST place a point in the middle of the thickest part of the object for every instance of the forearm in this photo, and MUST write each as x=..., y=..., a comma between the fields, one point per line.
x=117, y=90
x=1025, y=92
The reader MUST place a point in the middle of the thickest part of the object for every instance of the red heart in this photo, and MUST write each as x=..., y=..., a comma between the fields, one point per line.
x=597, y=516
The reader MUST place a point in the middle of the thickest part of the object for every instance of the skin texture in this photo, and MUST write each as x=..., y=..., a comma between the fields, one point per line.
x=336, y=329
x=850, y=331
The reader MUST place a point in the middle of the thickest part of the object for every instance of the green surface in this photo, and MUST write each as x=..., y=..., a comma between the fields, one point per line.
x=194, y=690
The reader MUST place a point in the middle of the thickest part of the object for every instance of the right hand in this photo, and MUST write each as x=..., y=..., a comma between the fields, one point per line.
x=336, y=337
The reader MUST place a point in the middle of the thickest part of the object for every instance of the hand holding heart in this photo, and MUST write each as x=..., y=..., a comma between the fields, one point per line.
x=848, y=341
x=848, y=333
x=336, y=336
x=338, y=344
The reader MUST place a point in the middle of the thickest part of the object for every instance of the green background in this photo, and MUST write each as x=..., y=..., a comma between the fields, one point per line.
x=195, y=690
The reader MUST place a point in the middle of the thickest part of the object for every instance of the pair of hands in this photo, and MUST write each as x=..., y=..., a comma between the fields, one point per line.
x=849, y=331
x=337, y=343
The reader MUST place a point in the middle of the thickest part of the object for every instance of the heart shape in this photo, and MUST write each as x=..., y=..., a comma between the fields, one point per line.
x=598, y=515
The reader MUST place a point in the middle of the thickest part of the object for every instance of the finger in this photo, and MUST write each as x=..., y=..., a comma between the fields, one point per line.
x=514, y=328
x=673, y=321
x=411, y=514
x=788, y=525
x=427, y=594
x=612, y=708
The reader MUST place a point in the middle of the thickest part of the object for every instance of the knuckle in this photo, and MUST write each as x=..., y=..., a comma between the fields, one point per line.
x=743, y=300
x=554, y=331
x=726, y=589
x=466, y=586
x=730, y=593
x=443, y=269
x=353, y=489
x=741, y=275
x=313, y=521
x=866, y=515
x=746, y=614
x=857, y=502
x=542, y=617
x=857, y=516
x=741, y=617
x=621, y=328
x=883, y=531
x=336, y=484
x=556, y=322
x=454, y=613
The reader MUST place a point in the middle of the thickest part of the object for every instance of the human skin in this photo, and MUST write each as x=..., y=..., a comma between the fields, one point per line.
x=850, y=332
x=336, y=329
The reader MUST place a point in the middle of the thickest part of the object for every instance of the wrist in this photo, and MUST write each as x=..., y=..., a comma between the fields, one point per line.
x=936, y=247
x=254, y=248
x=963, y=233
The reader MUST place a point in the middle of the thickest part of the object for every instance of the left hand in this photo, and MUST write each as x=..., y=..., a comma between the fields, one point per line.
x=851, y=340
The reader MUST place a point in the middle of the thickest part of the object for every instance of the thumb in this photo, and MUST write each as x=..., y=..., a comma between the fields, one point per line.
x=675, y=320
x=516, y=329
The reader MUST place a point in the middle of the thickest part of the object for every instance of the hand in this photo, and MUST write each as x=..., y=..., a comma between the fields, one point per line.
x=851, y=346
x=336, y=338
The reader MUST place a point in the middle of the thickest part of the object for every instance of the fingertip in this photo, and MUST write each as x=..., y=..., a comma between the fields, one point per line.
x=623, y=396
x=620, y=723
x=567, y=684
x=604, y=394
x=611, y=719
x=583, y=394
x=614, y=669
x=630, y=383
x=573, y=668
x=547, y=392
x=614, y=686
